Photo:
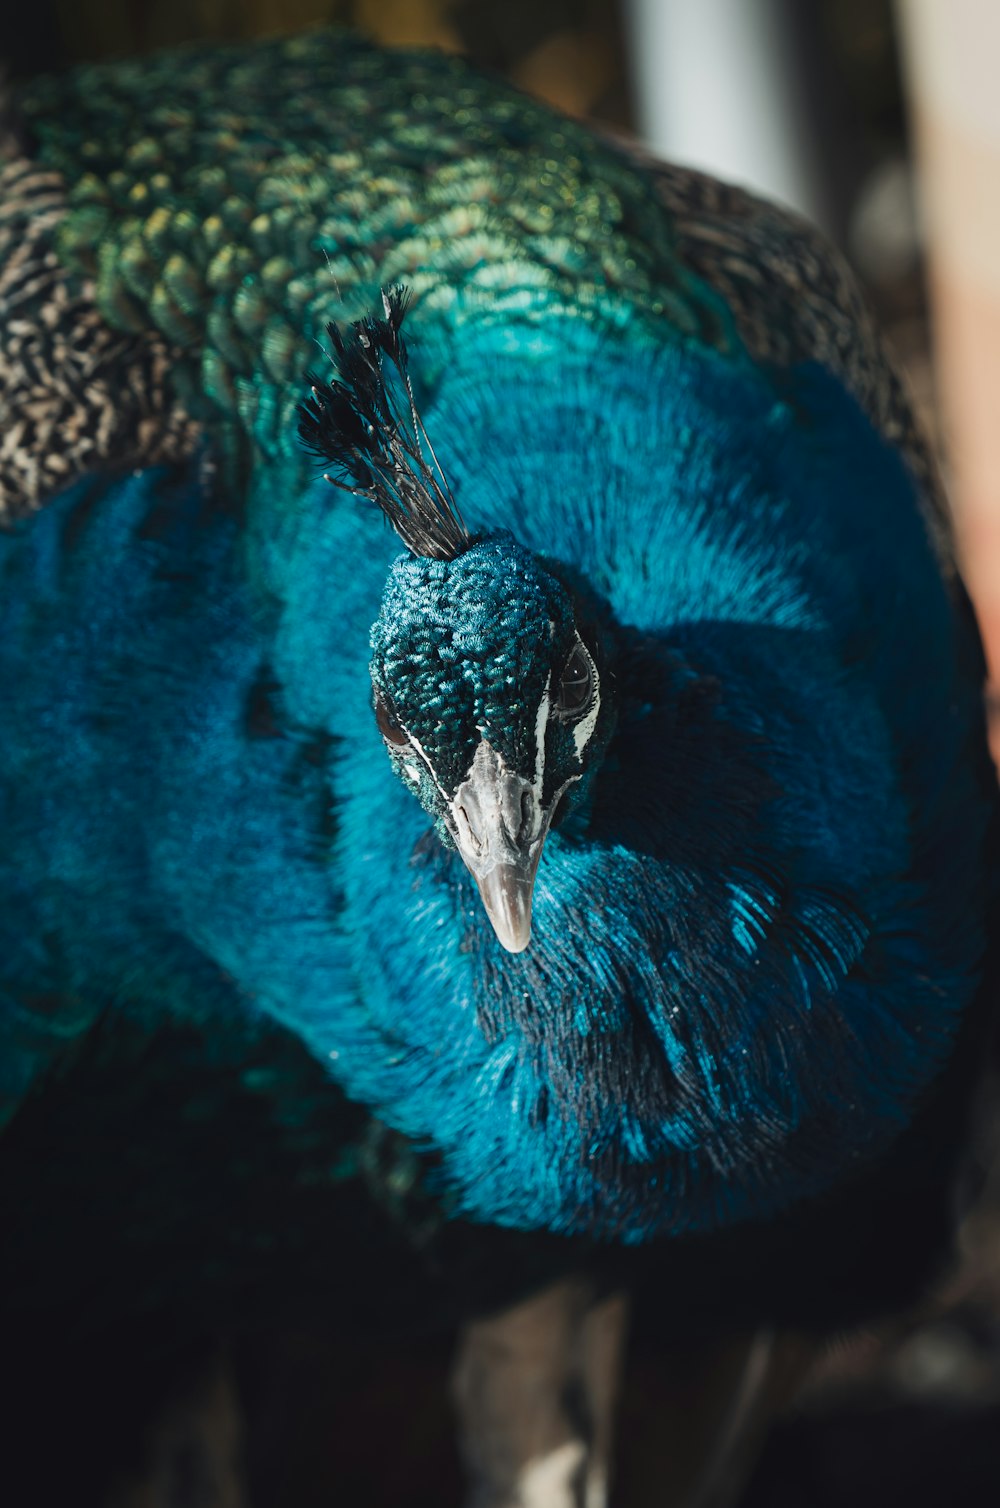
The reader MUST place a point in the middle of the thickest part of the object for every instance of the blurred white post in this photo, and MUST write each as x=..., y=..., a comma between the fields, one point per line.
x=952, y=53
x=715, y=89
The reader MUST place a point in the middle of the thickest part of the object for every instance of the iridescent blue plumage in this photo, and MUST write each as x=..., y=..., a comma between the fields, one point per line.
x=749, y=890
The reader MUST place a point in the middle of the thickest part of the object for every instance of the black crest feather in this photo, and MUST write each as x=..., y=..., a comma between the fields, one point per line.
x=357, y=423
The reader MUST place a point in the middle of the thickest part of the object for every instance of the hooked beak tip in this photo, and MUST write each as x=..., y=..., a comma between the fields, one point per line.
x=506, y=896
x=513, y=944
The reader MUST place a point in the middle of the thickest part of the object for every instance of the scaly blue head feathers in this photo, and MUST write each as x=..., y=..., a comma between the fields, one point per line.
x=464, y=650
x=492, y=707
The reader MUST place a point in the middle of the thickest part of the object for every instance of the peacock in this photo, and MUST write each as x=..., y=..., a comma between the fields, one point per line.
x=495, y=800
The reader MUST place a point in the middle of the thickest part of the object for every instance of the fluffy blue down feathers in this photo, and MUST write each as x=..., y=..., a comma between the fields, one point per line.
x=752, y=943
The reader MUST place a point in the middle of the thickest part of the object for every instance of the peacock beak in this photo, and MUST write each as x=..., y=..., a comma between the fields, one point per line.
x=499, y=829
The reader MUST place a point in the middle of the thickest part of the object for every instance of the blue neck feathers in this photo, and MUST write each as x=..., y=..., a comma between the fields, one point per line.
x=750, y=953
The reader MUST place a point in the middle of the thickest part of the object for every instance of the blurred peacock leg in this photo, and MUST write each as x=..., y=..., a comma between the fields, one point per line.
x=601, y=1345
x=535, y=1389
x=699, y=1411
x=763, y=1383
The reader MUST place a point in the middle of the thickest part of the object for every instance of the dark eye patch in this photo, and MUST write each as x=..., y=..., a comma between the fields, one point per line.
x=576, y=684
x=387, y=724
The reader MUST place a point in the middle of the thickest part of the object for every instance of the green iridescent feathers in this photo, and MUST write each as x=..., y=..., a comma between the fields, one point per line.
x=267, y=192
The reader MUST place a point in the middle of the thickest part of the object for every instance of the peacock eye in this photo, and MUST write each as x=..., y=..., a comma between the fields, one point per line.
x=576, y=684
x=387, y=724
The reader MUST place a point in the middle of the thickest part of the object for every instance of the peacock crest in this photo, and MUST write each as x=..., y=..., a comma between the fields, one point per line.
x=364, y=422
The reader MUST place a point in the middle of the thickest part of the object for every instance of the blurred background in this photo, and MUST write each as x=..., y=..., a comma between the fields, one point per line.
x=881, y=122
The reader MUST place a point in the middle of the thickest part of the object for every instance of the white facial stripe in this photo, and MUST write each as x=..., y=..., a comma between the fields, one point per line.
x=541, y=724
x=427, y=762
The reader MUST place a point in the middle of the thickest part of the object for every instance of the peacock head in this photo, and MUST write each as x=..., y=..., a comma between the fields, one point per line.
x=489, y=679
